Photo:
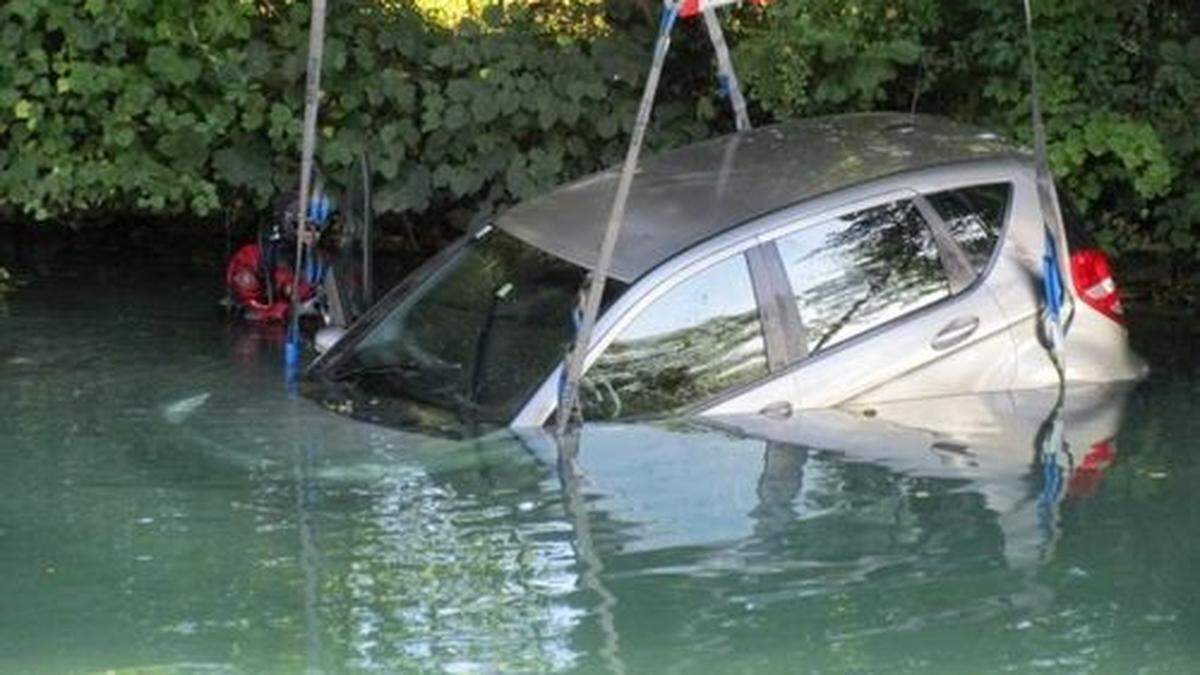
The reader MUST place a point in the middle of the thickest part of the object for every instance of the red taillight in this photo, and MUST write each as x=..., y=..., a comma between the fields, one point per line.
x=1094, y=283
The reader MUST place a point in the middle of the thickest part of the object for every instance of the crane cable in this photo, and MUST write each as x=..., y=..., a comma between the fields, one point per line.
x=1053, y=444
x=725, y=72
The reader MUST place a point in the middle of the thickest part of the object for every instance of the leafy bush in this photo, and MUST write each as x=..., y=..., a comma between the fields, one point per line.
x=174, y=107
x=1120, y=87
x=826, y=56
x=168, y=107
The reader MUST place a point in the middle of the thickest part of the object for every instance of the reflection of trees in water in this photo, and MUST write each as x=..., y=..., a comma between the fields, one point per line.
x=415, y=578
x=373, y=566
x=870, y=501
x=662, y=373
x=885, y=259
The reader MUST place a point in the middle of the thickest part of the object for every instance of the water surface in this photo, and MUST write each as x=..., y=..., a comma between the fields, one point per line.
x=169, y=507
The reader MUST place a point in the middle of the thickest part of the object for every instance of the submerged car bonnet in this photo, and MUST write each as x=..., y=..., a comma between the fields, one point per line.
x=685, y=196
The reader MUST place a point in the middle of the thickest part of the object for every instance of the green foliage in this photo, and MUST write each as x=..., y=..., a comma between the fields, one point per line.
x=172, y=107
x=823, y=56
x=1107, y=123
x=1120, y=87
x=160, y=107
x=571, y=17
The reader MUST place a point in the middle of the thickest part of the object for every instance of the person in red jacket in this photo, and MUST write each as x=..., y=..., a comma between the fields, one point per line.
x=259, y=275
x=260, y=297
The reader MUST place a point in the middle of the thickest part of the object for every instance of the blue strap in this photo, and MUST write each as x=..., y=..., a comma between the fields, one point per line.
x=668, y=18
x=1052, y=286
x=1052, y=486
x=318, y=211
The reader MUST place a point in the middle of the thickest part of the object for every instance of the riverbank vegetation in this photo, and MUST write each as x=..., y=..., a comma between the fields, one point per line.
x=165, y=109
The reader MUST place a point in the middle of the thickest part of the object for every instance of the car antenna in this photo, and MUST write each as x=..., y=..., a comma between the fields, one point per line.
x=316, y=47
x=1053, y=291
x=568, y=395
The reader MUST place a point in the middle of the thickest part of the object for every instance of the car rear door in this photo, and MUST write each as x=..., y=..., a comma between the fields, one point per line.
x=891, y=307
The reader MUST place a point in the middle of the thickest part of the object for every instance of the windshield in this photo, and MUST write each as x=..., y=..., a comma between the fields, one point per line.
x=474, y=339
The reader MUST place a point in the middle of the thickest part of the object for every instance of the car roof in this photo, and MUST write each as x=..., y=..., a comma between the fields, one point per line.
x=682, y=197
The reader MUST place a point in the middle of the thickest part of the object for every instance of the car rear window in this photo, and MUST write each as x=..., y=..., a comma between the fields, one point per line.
x=856, y=272
x=974, y=216
x=1079, y=236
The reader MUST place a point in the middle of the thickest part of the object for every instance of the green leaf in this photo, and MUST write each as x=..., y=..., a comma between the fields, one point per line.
x=170, y=64
x=245, y=164
x=485, y=108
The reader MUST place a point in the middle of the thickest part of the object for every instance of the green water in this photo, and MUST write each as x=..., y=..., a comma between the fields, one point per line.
x=168, y=507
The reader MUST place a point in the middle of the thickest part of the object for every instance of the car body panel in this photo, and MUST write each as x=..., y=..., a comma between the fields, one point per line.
x=687, y=215
x=895, y=361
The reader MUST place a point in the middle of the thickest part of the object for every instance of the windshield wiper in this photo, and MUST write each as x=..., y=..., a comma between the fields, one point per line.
x=485, y=333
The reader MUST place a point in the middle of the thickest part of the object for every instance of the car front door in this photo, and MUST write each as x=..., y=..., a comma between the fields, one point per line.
x=698, y=336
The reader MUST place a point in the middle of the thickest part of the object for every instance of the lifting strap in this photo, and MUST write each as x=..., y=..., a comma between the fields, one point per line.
x=1053, y=262
x=316, y=48
x=725, y=73
x=1053, y=445
x=568, y=395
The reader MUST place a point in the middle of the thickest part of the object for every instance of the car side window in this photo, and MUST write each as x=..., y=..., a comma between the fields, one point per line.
x=974, y=216
x=1079, y=236
x=700, y=338
x=853, y=273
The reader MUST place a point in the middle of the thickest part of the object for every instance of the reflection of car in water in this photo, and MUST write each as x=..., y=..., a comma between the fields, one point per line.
x=944, y=508
x=839, y=261
x=865, y=471
x=891, y=526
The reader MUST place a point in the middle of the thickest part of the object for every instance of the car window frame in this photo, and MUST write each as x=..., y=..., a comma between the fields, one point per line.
x=771, y=323
x=1005, y=216
x=539, y=409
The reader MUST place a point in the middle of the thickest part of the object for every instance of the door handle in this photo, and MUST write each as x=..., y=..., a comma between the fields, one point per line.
x=778, y=409
x=955, y=332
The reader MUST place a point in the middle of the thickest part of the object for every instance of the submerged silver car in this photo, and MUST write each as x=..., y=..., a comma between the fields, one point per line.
x=829, y=262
